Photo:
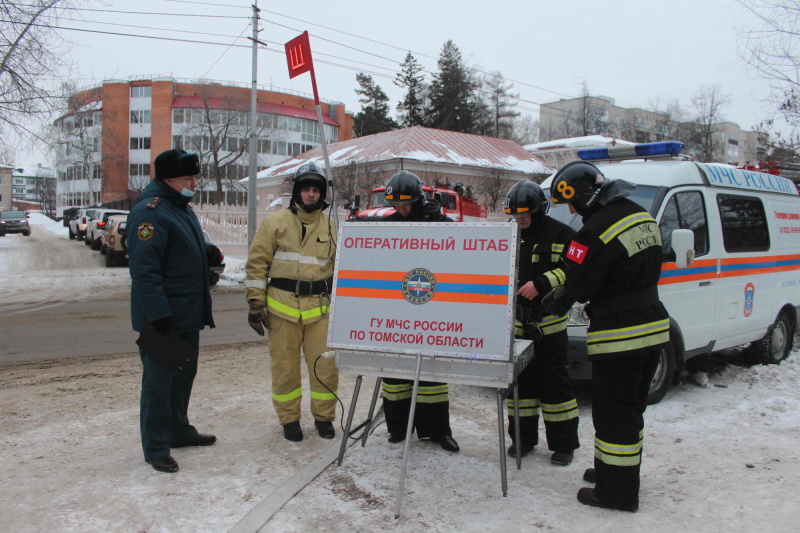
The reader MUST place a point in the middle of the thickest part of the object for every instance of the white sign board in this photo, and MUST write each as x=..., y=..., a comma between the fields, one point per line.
x=435, y=289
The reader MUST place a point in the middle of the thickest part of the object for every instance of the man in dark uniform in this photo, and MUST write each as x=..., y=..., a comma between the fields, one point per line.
x=170, y=296
x=545, y=384
x=432, y=413
x=614, y=263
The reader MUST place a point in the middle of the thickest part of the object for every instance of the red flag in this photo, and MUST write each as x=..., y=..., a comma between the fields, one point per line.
x=298, y=55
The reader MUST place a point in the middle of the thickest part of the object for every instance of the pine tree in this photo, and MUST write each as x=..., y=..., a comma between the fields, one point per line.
x=374, y=115
x=455, y=102
x=500, y=104
x=410, y=110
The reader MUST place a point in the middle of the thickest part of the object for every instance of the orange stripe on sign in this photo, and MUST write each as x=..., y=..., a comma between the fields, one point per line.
x=478, y=279
x=372, y=274
x=385, y=294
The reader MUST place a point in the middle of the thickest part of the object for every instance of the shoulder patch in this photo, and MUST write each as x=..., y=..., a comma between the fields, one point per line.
x=154, y=201
x=145, y=231
x=577, y=252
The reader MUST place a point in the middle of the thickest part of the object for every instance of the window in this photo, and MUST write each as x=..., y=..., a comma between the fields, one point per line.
x=140, y=169
x=685, y=210
x=177, y=116
x=141, y=92
x=744, y=225
x=19, y=181
x=140, y=143
x=140, y=116
x=264, y=146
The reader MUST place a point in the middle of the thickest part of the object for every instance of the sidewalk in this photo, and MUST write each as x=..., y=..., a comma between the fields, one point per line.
x=722, y=458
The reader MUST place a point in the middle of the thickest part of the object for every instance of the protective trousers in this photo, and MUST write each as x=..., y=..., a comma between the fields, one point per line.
x=164, y=403
x=546, y=384
x=431, y=415
x=619, y=399
x=286, y=339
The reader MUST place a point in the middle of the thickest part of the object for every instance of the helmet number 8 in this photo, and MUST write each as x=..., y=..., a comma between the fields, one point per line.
x=567, y=191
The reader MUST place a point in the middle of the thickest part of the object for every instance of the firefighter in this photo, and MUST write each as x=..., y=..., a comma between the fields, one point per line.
x=294, y=249
x=614, y=263
x=432, y=413
x=544, y=384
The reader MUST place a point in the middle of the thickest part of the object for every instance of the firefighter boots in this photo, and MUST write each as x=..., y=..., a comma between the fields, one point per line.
x=325, y=429
x=292, y=431
x=587, y=496
x=512, y=450
x=561, y=458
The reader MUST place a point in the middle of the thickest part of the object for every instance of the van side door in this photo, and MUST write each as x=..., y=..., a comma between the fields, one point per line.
x=689, y=294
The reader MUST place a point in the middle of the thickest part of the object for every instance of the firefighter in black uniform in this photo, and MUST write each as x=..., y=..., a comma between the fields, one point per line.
x=546, y=383
x=432, y=413
x=614, y=263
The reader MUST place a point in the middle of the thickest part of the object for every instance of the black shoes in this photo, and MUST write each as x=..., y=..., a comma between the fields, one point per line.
x=396, y=437
x=590, y=475
x=293, y=432
x=561, y=458
x=448, y=443
x=165, y=463
x=587, y=496
x=325, y=430
x=198, y=440
x=512, y=450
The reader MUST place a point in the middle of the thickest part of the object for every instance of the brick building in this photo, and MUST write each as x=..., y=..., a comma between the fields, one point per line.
x=110, y=135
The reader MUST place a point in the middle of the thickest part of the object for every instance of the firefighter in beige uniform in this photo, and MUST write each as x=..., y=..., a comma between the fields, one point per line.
x=294, y=249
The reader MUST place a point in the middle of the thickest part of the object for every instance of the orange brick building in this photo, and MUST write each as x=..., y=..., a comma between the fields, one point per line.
x=111, y=134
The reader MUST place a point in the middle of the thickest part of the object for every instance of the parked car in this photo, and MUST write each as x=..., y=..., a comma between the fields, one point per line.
x=14, y=222
x=77, y=226
x=215, y=270
x=69, y=214
x=114, y=243
x=97, y=224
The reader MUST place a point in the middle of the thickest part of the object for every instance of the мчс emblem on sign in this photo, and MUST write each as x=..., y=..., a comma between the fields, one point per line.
x=418, y=286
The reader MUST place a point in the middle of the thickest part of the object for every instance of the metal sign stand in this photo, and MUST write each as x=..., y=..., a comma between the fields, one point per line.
x=499, y=374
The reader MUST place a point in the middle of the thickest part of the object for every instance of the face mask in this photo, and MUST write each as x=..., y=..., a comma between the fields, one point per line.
x=187, y=193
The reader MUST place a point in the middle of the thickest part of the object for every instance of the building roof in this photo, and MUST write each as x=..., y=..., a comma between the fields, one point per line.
x=420, y=144
x=574, y=143
x=196, y=102
x=34, y=172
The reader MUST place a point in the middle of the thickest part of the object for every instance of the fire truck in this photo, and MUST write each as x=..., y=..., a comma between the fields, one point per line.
x=458, y=202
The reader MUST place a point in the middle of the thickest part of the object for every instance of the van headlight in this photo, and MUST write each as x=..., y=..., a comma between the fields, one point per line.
x=578, y=316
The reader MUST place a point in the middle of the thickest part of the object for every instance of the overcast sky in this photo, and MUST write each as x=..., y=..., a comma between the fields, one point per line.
x=635, y=51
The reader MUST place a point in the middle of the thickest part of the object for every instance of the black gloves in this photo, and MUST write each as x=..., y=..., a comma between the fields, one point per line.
x=257, y=317
x=162, y=325
x=558, y=301
x=431, y=210
x=214, y=255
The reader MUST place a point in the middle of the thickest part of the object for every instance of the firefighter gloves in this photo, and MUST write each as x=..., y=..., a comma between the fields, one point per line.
x=257, y=317
x=557, y=302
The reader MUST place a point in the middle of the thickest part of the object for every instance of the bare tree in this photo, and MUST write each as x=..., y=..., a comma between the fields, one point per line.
x=31, y=53
x=770, y=52
x=526, y=130
x=708, y=104
x=219, y=136
x=500, y=104
x=494, y=186
x=355, y=177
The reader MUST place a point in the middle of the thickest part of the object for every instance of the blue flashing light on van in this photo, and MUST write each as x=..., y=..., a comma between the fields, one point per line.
x=628, y=151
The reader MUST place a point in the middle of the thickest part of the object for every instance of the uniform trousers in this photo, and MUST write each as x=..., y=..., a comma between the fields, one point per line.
x=619, y=398
x=164, y=404
x=286, y=341
x=431, y=414
x=545, y=384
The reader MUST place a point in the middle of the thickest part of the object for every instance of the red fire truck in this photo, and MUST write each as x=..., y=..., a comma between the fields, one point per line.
x=458, y=202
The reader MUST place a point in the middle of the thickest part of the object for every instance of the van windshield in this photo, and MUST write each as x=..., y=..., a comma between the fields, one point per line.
x=643, y=195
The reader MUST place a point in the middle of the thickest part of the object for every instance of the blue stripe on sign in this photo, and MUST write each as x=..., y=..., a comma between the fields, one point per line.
x=748, y=266
x=370, y=284
x=469, y=288
x=688, y=271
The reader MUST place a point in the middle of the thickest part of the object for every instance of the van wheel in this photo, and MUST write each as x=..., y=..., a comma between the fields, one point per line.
x=662, y=379
x=71, y=235
x=213, y=278
x=777, y=343
x=110, y=260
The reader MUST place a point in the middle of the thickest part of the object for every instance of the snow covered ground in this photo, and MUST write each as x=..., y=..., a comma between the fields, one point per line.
x=722, y=453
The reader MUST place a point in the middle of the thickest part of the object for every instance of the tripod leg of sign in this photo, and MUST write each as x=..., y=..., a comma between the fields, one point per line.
x=409, y=428
x=516, y=426
x=346, y=434
x=501, y=398
x=371, y=411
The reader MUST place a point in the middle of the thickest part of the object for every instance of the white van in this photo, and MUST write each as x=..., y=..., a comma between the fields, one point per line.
x=743, y=284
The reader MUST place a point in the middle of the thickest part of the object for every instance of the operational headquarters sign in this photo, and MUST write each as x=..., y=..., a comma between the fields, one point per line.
x=437, y=289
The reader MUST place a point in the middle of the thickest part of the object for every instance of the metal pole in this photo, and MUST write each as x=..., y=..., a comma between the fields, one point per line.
x=252, y=198
x=502, y=439
x=346, y=435
x=409, y=428
x=328, y=169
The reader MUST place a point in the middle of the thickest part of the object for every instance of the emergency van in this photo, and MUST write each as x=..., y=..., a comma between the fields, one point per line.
x=731, y=241
x=458, y=203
